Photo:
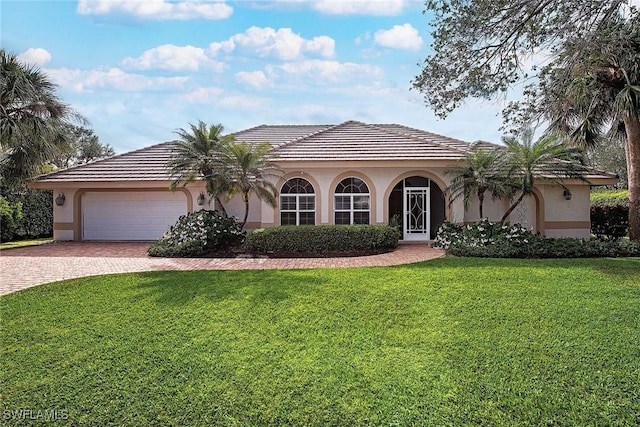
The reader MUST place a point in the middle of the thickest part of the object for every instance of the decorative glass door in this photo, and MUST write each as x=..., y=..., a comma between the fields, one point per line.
x=416, y=213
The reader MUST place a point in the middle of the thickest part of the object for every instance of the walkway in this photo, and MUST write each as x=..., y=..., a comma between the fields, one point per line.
x=25, y=267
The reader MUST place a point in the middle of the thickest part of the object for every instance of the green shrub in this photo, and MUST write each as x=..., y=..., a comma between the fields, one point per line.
x=609, y=222
x=490, y=240
x=26, y=213
x=197, y=234
x=606, y=197
x=10, y=215
x=481, y=234
x=319, y=239
x=37, y=215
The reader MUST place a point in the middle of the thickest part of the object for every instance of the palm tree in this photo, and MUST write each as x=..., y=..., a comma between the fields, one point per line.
x=548, y=160
x=247, y=170
x=593, y=96
x=480, y=173
x=32, y=118
x=197, y=155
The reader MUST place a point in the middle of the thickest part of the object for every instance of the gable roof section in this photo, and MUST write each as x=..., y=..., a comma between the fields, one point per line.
x=354, y=141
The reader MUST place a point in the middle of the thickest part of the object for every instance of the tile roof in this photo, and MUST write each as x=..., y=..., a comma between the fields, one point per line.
x=146, y=164
x=349, y=141
x=278, y=134
x=353, y=141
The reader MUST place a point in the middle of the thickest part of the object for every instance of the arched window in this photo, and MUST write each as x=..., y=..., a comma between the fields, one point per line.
x=352, y=204
x=297, y=203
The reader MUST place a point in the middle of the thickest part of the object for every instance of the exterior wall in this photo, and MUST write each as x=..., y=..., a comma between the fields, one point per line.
x=257, y=208
x=63, y=216
x=492, y=209
x=567, y=218
x=547, y=211
x=380, y=181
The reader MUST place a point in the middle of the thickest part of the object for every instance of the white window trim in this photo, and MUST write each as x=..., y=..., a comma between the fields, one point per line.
x=352, y=208
x=297, y=210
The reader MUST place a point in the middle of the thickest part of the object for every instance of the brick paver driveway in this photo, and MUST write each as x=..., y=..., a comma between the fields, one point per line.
x=26, y=267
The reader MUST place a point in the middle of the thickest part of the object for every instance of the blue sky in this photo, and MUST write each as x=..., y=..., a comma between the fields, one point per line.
x=140, y=69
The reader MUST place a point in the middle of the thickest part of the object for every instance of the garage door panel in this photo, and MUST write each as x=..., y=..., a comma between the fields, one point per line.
x=130, y=215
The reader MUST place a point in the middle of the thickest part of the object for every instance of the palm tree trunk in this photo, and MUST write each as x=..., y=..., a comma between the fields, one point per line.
x=220, y=205
x=245, y=199
x=511, y=208
x=481, y=202
x=632, y=150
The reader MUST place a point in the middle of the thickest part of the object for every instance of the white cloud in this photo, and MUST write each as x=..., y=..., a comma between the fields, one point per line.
x=214, y=96
x=114, y=78
x=35, y=56
x=322, y=45
x=256, y=79
x=374, y=90
x=203, y=95
x=243, y=102
x=326, y=71
x=399, y=37
x=283, y=44
x=226, y=46
x=158, y=10
x=368, y=7
x=171, y=57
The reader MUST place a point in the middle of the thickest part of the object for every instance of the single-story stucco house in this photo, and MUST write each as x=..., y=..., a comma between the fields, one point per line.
x=334, y=174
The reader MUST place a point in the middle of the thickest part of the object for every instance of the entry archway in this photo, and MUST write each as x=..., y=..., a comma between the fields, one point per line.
x=417, y=204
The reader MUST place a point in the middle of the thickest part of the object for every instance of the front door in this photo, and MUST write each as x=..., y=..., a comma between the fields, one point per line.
x=416, y=213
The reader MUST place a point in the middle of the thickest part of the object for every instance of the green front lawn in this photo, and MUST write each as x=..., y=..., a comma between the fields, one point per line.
x=446, y=342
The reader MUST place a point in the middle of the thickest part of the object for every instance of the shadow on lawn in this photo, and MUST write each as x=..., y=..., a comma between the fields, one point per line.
x=620, y=267
x=181, y=287
x=175, y=288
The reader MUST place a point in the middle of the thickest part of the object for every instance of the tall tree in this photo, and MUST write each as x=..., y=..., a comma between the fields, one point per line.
x=197, y=155
x=585, y=55
x=592, y=95
x=32, y=117
x=482, y=171
x=610, y=157
x=82, y=146
x=248, y=170
x=546, y=160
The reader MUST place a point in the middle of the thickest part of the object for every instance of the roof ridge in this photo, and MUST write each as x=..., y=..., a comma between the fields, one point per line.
x=93, y=162
x=251, y=128
x=329, y=127
x=415, y=138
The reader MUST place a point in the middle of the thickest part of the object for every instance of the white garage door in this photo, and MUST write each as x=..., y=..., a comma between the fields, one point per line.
x=130, y=215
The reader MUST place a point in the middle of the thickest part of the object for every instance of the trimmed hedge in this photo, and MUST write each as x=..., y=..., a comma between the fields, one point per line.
x=605, y=197
x=320, y=239
x=541, y=247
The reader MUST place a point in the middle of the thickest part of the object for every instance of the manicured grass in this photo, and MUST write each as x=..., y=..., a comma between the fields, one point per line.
x=447, y=342
x=24, y=243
